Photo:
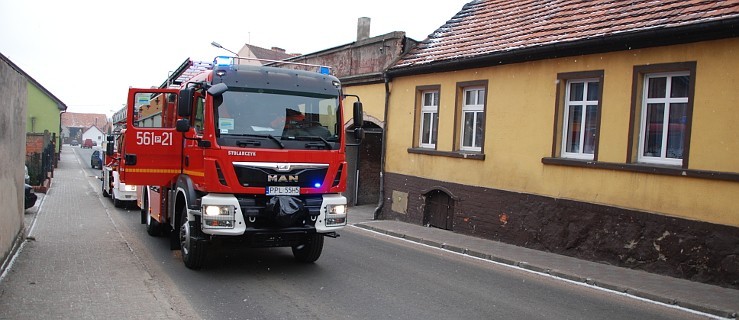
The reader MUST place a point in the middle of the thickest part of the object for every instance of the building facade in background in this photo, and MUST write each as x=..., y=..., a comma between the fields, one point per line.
x=605, y=132
x=74, y=125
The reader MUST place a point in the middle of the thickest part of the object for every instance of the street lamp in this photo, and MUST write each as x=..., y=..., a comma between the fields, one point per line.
x=217, y=45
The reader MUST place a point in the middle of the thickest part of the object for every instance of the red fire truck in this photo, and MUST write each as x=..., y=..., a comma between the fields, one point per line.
x=112, y=186
x=240, y=153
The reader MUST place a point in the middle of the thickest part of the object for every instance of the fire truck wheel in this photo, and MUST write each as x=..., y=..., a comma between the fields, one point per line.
x=311, y=250
x=193, y=251
x=105, y=192
x=144, y=209
x=153, y=227
x=116, y=203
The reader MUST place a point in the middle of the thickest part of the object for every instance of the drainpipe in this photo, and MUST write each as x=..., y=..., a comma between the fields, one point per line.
x=381, y=201
x=59, y=155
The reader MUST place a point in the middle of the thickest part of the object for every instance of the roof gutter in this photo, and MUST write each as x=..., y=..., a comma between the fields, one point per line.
x=722, y=29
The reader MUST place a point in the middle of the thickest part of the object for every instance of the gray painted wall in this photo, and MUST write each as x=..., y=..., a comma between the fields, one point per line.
x=12, y=155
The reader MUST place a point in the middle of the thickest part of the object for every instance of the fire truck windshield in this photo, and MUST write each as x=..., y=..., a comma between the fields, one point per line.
x=277, y=116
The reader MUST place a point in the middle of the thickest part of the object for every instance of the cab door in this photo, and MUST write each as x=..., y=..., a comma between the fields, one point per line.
x=152, y=149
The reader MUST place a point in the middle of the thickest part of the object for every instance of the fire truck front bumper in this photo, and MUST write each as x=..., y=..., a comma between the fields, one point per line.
x=224, y=215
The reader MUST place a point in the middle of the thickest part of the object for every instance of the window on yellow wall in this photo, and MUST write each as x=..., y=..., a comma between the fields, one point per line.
x=661, y=115
x=580, y=122
x=664, y=114
x=426, y=126
x=429, y=118
x=473, y=117
x=578, y=113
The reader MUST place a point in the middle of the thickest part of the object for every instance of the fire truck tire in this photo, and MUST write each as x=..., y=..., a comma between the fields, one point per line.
x=144, y=210
x=153, y=227
x=193, y=251
x=311, y=250
x=116, y=203
x=105, y=192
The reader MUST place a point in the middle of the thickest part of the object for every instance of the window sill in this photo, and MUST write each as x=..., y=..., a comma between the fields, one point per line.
x=450, y=154
x=644, y=168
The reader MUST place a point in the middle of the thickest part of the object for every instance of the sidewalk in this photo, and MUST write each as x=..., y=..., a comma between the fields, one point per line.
x=75, y=264
x=696, y=296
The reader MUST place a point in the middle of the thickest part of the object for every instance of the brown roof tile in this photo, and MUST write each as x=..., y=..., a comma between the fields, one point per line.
x=268, y=54
x=84, y=120
x=486, y=27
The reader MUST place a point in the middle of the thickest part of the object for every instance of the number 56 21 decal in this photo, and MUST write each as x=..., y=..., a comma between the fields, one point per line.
x=152, y=138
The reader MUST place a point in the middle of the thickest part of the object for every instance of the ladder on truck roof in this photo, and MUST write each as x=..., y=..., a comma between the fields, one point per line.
x=189, y=68
x=186, y=71
x=236, y=61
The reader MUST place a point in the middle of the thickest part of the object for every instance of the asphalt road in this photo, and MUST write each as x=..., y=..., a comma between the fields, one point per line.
x=364, y=275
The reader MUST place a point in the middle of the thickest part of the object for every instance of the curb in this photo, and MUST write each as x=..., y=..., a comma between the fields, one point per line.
x=729, y=314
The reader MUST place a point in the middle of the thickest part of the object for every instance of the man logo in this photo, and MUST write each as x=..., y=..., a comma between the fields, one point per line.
x=282, y=178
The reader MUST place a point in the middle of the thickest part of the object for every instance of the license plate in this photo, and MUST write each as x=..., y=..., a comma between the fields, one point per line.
x=283, y=191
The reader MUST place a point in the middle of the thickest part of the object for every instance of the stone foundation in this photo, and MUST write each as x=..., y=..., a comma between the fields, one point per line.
x=654, y=243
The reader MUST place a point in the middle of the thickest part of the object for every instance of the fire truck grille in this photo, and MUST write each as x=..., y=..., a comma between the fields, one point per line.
x=263, y=177
x=257, y=215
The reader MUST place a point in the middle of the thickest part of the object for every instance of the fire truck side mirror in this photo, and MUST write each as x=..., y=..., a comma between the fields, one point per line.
x=358, y=121
x=109, y=148
x=183, y=125
x=185, y=104
x=218, y=89
x=358, y=115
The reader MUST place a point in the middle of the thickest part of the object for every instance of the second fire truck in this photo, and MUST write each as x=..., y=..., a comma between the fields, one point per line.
x=240, y=153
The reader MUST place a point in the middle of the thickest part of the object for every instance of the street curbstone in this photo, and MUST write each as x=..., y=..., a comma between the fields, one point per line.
x=730, y=314
x=535, y=268
x=454, y=248
x=612, y=286
x=502, y=260
x=650, y=296
x=479, y=254
x=432, y=243
x=395, y=234
x=413, y=238
x=567, y=276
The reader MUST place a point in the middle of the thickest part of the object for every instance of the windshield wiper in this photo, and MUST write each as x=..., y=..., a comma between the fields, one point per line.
x=314, y=138
x=271, y=137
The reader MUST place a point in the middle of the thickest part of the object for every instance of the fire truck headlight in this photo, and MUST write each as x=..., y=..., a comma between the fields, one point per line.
x=129, y=188
x=336, y=215
x=336, y=209
x=212, y=211
x=218, y=217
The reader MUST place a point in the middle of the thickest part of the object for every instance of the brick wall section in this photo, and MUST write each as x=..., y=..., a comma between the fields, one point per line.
x=675, y=247
x=34, y=143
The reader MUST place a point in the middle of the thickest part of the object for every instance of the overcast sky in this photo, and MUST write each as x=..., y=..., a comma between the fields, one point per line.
x=87, y=53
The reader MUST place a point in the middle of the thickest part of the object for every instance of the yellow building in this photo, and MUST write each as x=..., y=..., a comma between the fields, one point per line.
x=607, y=132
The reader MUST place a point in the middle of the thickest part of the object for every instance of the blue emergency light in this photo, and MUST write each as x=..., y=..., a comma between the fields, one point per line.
x=324, y=70
x=223, y=61
x=317, y=185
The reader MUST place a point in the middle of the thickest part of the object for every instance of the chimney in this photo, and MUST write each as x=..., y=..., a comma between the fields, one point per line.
x=363, y=28
x=278, y=49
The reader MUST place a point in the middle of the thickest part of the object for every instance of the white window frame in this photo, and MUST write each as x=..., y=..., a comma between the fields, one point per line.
x=432, y=109
x=580, y=154
x=478, y=110
x=667, y=100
